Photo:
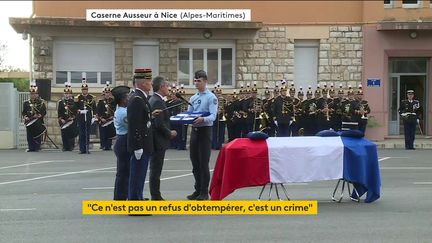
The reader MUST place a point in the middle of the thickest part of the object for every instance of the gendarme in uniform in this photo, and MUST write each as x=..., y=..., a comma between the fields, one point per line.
x=200, y=142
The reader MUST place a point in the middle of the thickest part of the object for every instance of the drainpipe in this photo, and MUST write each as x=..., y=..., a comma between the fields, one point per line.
x=31, y=49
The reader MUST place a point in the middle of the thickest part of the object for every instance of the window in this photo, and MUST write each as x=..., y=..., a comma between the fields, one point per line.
x=306, y=63
x=411, y=3
x=216, y=58
x=388, y=3
x=77, y=58
x=146, y=55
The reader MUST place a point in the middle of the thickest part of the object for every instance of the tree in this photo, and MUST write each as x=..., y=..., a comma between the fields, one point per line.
x=3, y=49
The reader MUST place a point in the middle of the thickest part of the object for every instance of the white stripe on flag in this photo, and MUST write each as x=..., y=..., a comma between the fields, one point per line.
x=304, y=159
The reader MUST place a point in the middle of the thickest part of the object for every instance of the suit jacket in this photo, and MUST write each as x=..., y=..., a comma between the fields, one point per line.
x=161, y=128
x=140, y=134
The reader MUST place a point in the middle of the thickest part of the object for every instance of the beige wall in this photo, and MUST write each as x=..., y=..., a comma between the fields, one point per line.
x=374, y=11
x=288, y=12
x=291, y=12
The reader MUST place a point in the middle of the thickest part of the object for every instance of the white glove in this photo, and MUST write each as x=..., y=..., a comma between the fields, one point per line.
x=291, y=122
x=83, y=111
x=275, y=122
x=93, y=120
x=138, y=153
x=418, y=121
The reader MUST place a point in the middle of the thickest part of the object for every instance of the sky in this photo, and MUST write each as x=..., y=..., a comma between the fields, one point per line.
x=17, y=54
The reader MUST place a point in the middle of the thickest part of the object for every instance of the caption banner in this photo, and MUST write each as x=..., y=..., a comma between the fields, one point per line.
x=168, y=15
x=90, y=207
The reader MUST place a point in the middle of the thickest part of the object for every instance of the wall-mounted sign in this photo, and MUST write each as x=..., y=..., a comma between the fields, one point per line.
x=374, y=82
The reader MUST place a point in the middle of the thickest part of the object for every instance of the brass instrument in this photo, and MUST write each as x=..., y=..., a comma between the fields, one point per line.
x=312, y=108
x=362, y=111
x=347, y=107
x=327, y=112
x=295, y=110
x=221, y=108
x=257, y=108
x=264, y=124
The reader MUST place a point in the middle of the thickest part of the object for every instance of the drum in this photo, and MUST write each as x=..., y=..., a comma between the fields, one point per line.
x=36, y=128
x=107, y=123
x=70, y=129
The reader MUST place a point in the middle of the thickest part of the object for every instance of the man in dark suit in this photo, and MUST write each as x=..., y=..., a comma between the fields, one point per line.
x=162, y=135
x=140, y=134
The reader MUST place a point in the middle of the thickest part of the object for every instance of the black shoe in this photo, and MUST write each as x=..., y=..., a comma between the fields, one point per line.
x=157, y=198
x=83, y=152
x=193, y=196
x=202, y=197
x=30, y=150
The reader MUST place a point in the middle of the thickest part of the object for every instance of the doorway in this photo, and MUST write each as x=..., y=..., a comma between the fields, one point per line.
x=399, y=84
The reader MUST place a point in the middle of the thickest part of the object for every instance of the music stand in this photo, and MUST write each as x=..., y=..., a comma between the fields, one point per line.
x=47, y=136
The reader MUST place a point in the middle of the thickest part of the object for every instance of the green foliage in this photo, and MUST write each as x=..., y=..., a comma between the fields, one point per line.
x=21, y=84
x=372, y=122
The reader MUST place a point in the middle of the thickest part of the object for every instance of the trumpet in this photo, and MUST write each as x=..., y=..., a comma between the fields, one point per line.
x=327, y=112
x=312, y=108
x=264, y=121
x=362, y=111
x=221, y=108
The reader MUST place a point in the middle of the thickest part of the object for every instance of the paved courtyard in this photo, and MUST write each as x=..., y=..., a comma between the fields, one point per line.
x=41, y=194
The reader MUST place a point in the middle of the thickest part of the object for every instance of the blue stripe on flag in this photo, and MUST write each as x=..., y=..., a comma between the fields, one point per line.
x=361, y=166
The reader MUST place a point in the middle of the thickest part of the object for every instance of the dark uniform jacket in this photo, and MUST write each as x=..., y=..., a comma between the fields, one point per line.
x=412, y=108
x=105, y=109
x=283, y=109
x=89, y=102
x=66, y=110
x=140, y=135
x=161, y=124
x=33, y=107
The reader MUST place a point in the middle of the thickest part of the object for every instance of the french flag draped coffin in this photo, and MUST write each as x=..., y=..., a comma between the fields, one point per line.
x=244, y=162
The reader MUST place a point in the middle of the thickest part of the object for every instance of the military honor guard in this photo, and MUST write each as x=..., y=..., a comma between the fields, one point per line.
x=248, y=111
x=309, y=110
x=294, y=126
x=105, y=116
x=86, y=105
x=409, y=110
x=121, y=185
x=229, y=114
x=337, y=107
x=66, y=113
x=349, y=121
x=283, y=113
x=243, y=114
x=362, y=109
x=33, y=112
x=265, y=117
x=218, y=131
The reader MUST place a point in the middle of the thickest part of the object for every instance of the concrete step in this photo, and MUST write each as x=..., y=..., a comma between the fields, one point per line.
x=399, y=143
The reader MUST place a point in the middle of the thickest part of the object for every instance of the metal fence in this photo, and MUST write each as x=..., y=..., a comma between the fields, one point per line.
x=21, y=133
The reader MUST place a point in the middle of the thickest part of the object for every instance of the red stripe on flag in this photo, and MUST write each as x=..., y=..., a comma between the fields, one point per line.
x=240, y=163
